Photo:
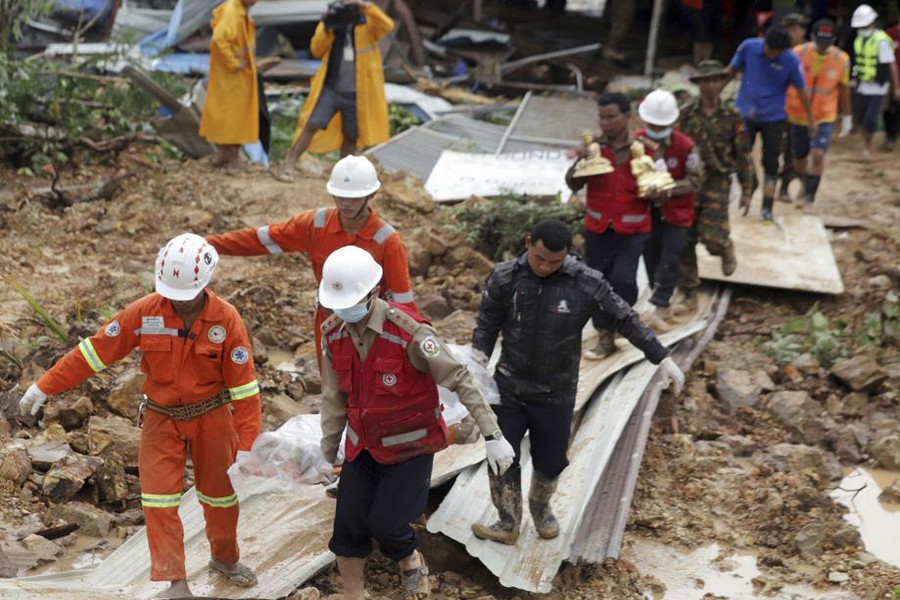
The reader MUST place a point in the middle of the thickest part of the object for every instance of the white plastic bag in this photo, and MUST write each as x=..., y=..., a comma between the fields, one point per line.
x=454, y=411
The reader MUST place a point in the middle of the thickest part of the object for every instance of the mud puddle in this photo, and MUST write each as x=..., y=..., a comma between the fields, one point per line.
x=709, y=571
x=878, y=522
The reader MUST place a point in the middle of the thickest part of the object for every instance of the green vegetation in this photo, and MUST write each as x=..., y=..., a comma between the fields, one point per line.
x=400, y=119
x=41, y=312
x=497, y=227
x=826, y=341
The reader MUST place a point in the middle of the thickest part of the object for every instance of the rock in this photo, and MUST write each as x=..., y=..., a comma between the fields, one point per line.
x=5, y=427
x=475, y=262
x=309, y=593
x=72, y=415
x=854, y=404
x=67, y=476
x=419, y=258
x=838, y=577
x=15, y=466
x=797, y=411
x=44, y=549
x=792, y=458
x=260, y=353
x=79, y=441
x=880, y=282
x=885, y=452
x=806, y=363
x=44, y=456
x=281, y=408
x=265, y=337
x=114, y=434
x=125, y=397
x=810, y=538
x=434, y=244
x=736, y=388
x=845, y=442
x=891, y=493
x=90, y=519
x=741, y=445
x=846, y=536
x=763, y=381
x=859, y=373
x=110, y=480
x=433, y=306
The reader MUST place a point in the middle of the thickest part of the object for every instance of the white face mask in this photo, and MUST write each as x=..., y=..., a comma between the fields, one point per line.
x=353, y=314
x=868, y=31
x=659, y=135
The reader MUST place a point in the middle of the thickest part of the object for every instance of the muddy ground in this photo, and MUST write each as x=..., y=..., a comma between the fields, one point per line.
x=712, y=473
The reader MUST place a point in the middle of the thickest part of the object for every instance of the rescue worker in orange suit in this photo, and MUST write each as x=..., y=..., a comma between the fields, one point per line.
x=200, y=392
x=381, y=367
x=352, y=222
x=672, y=210
x=230, y=111
x=616, y=219
x=346, y=108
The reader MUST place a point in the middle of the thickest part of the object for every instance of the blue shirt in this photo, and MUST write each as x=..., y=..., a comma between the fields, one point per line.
x=764, y=81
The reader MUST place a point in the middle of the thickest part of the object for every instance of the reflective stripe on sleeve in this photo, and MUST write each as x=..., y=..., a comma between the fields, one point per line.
x=402, y=297
x=221, y=502
x=160, y=500
x=266, y=240
x=90, y=355
x=383, y=233
x=244, y=391
x=319, y=220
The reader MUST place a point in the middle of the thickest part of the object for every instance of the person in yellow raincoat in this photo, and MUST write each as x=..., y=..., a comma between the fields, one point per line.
x=230, y=112
x=346, y=108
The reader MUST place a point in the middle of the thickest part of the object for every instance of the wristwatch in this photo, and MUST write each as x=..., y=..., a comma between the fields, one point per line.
x=494, y=437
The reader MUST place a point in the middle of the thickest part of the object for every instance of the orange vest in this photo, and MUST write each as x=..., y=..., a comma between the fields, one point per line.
x=822, y=86
x=393, y=409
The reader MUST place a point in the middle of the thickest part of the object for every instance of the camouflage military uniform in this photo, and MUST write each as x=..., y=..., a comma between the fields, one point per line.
x=723, y=147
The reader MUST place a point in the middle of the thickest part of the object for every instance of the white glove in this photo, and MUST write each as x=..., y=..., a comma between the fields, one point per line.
x=33, y=399
x=672, y=374
x=846, y=125
x=500, y=455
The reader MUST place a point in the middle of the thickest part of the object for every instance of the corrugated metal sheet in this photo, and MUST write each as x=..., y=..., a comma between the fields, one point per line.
x=417, y=150
x=547, y=121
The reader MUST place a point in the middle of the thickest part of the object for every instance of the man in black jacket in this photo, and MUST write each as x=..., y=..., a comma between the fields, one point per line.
x=541, y=302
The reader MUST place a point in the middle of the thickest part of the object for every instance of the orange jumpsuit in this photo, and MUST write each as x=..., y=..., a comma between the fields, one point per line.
x=182, y=367
x=319, y=233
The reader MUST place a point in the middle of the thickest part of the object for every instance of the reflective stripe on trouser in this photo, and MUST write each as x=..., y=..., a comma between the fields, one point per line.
x=711, y=227
x=163, y=453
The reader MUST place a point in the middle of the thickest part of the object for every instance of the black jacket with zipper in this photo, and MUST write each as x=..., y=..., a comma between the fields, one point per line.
x=542, y=319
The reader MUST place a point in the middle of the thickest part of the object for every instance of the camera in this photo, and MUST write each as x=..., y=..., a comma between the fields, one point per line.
x=342, y=16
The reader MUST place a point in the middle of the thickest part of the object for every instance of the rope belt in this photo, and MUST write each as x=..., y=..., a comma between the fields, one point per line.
x=185, y=412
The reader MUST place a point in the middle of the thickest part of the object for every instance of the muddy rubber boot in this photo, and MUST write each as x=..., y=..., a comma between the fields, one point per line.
x=687, y=304
x=606, y=345
x=658, y=319
x=506, y=494
x=729, y=261
x=539, y=496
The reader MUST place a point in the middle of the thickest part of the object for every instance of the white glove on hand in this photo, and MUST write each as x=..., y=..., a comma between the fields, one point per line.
x=672, y=374
x=33, y=399
x=500, y=455
x=846, y=125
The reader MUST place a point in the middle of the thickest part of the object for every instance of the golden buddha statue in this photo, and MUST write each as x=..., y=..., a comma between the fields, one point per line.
x=644, y=170
x=594, y=163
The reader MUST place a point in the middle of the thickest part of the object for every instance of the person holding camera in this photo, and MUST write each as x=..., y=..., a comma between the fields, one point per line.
x=346, y=108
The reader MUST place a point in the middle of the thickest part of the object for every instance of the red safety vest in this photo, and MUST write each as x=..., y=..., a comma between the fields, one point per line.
x=677, y=210
x=612, y=199
x=393, y=409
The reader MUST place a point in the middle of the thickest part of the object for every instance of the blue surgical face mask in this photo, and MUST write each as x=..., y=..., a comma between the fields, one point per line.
x=658, y=135
x=868, y=31
x=354, y=314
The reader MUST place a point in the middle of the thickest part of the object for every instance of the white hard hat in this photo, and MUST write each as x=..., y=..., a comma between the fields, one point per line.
x=348, y=275
x=353, y=177
x=184, y=267
x=659, y=108
x=863, y=16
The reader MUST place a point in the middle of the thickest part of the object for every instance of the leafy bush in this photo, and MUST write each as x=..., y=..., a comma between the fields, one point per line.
x=882, y=327
x=400, y=119
x=497, y=227
x=812, y=333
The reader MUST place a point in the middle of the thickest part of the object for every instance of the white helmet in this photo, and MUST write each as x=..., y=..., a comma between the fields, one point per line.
x=184, y=267
x=863, y=16
x=348, y=275
x=659, y=108
x=353, y=177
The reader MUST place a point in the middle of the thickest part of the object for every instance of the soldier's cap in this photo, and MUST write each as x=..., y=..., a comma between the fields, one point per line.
x=824, y=31
x=708, y=69
x=794, y=18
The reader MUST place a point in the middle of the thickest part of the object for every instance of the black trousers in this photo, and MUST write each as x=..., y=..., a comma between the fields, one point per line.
x=549, y=426
x=771, y=143
x=617, y=257
x=662, y=255
x=892, y=120
x=379, y=501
